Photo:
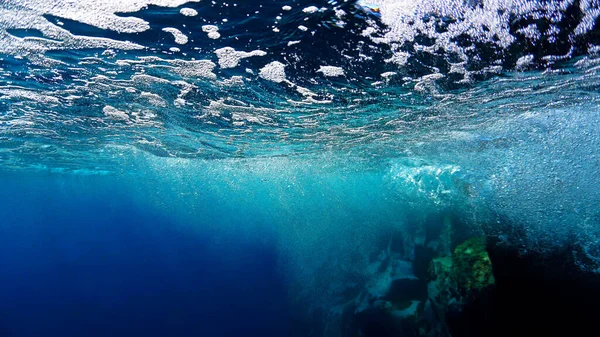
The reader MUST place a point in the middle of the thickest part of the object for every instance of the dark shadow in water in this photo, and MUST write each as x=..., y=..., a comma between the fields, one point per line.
x=535, y=294
x=539, y=295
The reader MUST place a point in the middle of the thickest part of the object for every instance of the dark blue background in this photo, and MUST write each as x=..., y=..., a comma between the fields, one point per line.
x=78, y=257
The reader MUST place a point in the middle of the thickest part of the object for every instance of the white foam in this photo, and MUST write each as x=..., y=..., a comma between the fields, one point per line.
x=524, y=61
x=153, y=99
x=427, y=83
x=240, y=113
x=230, y=58
x=233, y=81
x=274, y=71
x=114, y=113
x=19, y=93
x=99, y=13
x=109, y=53
x=55, y=37
x=286, y=8
x=310, y=9
x=180, y=38
x=197, y=68
x=188, y=12
x=483, y=21
x=399, y=58
x=179, y=102
x=148, y=79
x=331, y=71
x=592, y=12
x=531, y=32
x=212, y=30
x=369, y=31
x=214, y=35
x=30, y=14
x=186, y=88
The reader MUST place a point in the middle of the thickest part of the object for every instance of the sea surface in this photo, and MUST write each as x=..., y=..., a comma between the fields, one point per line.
x=283, y=167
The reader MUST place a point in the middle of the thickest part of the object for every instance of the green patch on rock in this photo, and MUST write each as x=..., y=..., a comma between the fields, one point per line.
x=472, y=267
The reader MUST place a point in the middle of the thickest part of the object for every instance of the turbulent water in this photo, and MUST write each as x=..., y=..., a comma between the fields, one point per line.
x=198, y=168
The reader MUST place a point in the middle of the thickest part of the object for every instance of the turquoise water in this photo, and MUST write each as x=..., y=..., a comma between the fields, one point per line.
x=182, y=168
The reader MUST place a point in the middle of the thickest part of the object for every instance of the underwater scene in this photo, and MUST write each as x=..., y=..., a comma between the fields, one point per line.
x=301, y=168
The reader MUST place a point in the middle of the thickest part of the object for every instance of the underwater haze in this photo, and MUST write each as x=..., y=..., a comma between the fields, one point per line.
x=299, y=168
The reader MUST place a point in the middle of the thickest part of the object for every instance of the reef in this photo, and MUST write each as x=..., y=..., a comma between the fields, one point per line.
x=440, y=284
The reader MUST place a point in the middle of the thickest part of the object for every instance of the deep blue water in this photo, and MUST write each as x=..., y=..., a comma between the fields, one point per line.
x=79, y=257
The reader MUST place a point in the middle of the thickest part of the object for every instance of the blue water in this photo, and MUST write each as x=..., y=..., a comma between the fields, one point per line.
x=80, y=257
x=295, y=168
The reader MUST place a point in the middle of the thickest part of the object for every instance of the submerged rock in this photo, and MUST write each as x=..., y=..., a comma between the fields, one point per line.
x=389, y=304
x=472, y=267
x=435, y=294
x=462, y=277
x=461, y=295
x=459, y=287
